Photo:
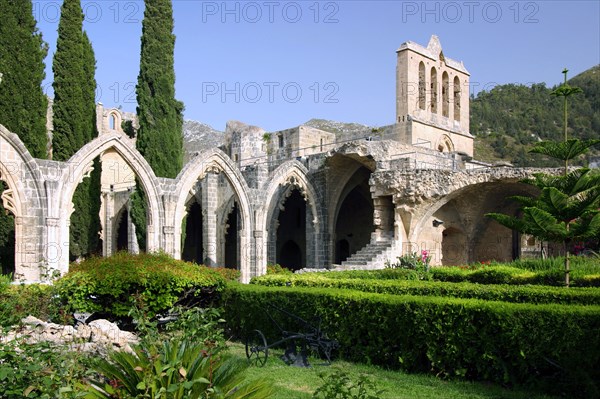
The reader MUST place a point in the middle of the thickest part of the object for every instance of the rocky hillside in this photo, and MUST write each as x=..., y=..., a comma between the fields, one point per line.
x=199, y=136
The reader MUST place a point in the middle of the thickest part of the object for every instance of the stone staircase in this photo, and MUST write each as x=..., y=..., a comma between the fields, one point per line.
x=372, y=256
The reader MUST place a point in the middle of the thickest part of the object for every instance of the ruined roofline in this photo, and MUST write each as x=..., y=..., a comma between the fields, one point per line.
x=432, y=51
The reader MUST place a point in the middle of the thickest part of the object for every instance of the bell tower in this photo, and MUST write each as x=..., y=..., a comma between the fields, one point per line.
x=432, y=98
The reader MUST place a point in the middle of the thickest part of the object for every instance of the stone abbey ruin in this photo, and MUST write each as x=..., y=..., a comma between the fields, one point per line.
x=302, y=197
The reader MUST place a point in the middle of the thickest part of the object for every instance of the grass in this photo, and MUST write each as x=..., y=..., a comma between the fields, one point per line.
x=300, y=383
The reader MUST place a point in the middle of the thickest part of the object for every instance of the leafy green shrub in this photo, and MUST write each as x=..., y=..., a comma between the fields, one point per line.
x=19, y=301
x=5, y=281
x=491, y=292
x=227, y=273
x=41, y=371
x=504, y=342
x=339, y=385
x=116, y=284
x=278, y=269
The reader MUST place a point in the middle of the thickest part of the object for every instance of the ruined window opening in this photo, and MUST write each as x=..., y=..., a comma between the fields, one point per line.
x=280, y=141
x=445, y=95
x=434, y=92
x=422, y=87
x=112, y=122
x=456, y=99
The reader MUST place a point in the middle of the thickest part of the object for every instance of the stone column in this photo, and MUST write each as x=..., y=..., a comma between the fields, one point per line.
x=383, y=218
x=209, y=218
x=107, y=231
x=168, y=230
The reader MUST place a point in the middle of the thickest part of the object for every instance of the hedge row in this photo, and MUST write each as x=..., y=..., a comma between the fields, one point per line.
x=495, y=274
x=494, y=341
x=507, y=293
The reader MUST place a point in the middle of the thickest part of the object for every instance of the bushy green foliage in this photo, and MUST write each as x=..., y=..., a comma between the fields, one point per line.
x=494, y=341
x=491, y=292
x=159, y=137
x=118, y=283
x=278, y=269
x=339, y=385
x=20, y=301
x=41, y=371
x=227, y=273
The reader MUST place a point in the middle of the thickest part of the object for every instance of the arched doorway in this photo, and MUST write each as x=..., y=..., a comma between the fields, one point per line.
x=7, y=237
x=291, y=232
x=354, y=220
x=122, y=239
x=232, y=238
x=193, y=248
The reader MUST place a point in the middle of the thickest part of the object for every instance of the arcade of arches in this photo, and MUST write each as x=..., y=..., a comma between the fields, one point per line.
x=309, y=213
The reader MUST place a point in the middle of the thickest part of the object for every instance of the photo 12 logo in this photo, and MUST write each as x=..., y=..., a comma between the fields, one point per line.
x=270, y=92
x=253, y=12
x=470, y=11
x=128, y=12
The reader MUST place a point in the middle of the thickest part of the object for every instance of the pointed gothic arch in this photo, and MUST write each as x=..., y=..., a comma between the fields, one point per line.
x=288, y=176
x=79, y=166
x=214, y=161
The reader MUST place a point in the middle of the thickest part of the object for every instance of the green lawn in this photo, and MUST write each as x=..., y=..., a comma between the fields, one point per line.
x=300, y=383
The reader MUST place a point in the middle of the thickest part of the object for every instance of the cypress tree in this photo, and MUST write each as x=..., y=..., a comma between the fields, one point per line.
x=23, y=105
x=160, y=138
x=74, y=110
x=91, y=132
x=69, y=120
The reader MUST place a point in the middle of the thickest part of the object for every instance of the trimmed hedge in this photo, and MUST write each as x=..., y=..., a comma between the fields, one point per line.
x=494, y=274
x=496, y=341
x=506, y=293
x=154, y=282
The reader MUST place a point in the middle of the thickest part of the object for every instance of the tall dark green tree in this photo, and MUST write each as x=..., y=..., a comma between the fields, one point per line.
x=159, y=138
x=23, y=104
x=68, y=108
x=74, y=120
x=91, y=132
x=160, y=115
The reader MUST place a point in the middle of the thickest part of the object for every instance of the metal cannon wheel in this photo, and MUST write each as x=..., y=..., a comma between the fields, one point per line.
x=257, y=350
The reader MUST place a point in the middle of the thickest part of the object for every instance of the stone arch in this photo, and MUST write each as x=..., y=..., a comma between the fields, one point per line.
x=215, y=161
x=472, y=226
x=25, y=199
x=290, y=174
x=445, y=144
x=80, y=165
x=350, y=166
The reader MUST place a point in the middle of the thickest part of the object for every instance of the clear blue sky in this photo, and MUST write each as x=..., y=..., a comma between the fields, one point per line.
x=277, y=64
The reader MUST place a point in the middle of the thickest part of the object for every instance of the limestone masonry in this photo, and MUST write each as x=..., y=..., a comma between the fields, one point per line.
x=301, y=197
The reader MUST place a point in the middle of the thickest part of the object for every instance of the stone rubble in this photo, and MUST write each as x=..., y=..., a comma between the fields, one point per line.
x=98, y=336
